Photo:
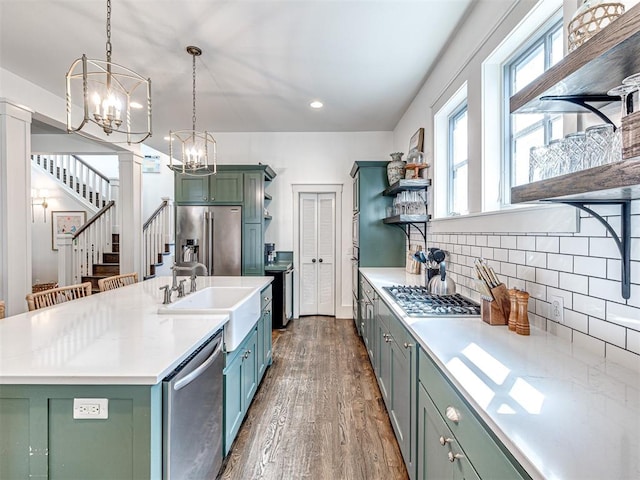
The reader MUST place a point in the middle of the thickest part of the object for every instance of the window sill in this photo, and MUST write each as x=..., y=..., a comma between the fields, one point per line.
x=512, y=219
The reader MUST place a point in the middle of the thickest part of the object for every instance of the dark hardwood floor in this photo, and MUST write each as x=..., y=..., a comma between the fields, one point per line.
x=318, y=413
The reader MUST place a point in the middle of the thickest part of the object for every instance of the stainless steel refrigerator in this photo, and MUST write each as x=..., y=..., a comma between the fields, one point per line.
x=211, y=236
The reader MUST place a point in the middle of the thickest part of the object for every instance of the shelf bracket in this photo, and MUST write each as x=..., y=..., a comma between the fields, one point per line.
x=413, y=224
x=581, y=100
x=623, y=241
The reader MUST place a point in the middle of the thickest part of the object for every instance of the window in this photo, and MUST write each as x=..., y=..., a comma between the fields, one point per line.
x=529, y=130
x=458, y=161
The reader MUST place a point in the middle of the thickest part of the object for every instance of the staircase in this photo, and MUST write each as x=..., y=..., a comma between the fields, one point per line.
x=110, y=264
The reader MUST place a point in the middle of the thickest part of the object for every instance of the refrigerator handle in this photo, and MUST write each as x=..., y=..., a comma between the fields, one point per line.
x=210, y=246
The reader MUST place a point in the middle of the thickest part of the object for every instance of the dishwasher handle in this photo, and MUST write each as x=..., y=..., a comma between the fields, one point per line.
x=183, y=382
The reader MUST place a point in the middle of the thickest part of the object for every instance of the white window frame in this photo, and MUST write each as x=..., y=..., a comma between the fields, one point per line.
x=543, y=37
x=454, y=117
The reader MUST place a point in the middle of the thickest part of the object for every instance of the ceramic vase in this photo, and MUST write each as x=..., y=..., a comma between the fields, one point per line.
x=395, y=168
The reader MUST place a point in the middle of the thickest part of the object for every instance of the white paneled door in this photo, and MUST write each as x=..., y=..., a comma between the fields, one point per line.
x=317, y=253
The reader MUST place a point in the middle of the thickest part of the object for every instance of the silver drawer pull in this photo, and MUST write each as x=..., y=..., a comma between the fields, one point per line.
x=388, y=339
x=444, y=441
x=452, y=414
x=453, y=456
x=407, y=345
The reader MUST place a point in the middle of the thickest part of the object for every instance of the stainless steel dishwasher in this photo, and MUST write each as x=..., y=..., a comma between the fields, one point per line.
x=192, y=415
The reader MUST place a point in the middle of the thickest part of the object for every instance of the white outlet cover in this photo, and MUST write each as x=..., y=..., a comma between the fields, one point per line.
x=556, y=308
x=90, y=408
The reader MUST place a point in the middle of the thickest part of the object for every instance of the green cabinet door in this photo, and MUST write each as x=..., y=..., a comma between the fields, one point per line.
x=260, y=353
x=439, y=455
x=253, y=197
x=191, y=189
x=252, y=249
x=266, y=335
x=402, y=392
x=226, y=187
x=250, y=369
x=233, y=405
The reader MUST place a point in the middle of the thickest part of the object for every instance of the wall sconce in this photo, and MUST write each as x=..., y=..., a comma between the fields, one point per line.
x=39, y=197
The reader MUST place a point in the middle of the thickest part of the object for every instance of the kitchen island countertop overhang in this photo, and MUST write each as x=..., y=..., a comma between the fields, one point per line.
x=110, y=338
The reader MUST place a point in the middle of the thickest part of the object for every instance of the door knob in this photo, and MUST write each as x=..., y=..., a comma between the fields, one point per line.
x=313, y=260
x=320, y=260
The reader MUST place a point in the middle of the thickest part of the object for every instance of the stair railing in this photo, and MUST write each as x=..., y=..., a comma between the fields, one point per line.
x=77, y=176
x=91, y=241
x=156, y=234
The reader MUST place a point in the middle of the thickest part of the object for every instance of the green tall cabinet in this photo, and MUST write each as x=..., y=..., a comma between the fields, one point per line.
x=374, y=243
x=243, y=185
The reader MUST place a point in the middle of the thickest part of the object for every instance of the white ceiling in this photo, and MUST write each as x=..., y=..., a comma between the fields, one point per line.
x=263, y=60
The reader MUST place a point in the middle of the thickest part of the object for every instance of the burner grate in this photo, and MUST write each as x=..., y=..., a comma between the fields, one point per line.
x=416, y=301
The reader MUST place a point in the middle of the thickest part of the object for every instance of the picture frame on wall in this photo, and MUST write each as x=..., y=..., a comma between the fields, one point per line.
x=151, y=164
x=67, y=223
x=417, y=141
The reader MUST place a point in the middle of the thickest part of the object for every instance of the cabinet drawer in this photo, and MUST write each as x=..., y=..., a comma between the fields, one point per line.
x=400, y=335
x=265, y=297
x=366, y=289
x=489, y=456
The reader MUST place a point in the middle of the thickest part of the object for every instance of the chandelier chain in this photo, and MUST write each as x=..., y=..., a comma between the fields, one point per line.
x=108, y=30
x=194, y=93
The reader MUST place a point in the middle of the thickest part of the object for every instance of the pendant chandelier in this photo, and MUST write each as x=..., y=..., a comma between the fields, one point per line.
x=196, y=150
x=116, y=101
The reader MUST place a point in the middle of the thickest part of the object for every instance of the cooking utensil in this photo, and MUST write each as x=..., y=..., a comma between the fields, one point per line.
x=441, y=284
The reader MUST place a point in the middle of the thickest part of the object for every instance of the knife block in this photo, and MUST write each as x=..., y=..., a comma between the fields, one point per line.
x=496, y=311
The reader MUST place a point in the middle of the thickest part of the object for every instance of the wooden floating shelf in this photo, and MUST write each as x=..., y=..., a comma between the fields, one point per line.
x=402, y=219
x=614, y=181
x=595, y=67
x=407, y=184
x=416, y=166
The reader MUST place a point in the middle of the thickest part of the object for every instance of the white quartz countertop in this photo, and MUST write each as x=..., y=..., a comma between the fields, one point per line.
x=563, y=412
x=114, y=337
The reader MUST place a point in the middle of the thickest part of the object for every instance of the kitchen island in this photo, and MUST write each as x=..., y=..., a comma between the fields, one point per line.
x=111, y=345
x=558, y=411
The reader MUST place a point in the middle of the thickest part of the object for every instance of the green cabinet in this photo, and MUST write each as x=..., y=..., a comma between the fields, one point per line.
x=221, y=188
x=41, y=439
x=253, y=197
x=240, y=384
x=252, y=249
x=439, y=455
x=264, y=332
x=476, y=453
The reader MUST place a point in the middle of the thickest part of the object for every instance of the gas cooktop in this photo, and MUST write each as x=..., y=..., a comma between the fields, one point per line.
x=418, y=302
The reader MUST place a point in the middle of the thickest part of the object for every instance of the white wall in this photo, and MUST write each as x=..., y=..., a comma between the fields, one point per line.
x=582, y=265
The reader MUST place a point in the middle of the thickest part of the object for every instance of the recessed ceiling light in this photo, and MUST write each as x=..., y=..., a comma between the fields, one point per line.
x=167, y=138
x=316, y=104
x=135, y=105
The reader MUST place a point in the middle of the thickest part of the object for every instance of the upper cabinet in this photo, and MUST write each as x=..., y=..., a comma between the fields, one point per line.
x=575, y=84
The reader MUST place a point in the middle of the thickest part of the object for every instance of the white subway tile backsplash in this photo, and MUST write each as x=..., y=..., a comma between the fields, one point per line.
x=635, y=248
x=603, y=247
x=548, y=244
x=515, y=283
x=465, y=250
x=508, y=242
x=574, y=283
x=502, y=255
x=547, y=277
x=481, y=240
x=517, y=256
x=594, y=345
x=508, y=269
x=592, y=267
x=536, y=259
x=574, y=245
x=538, y=321
x=613, y=269
x=607, y=289
x=487, y=253
x=633, y=341
x=590, y=227
x=623, y=315
x=607, y=210
x=526, y=273
x=616, y=224
x=493, y=241
x=614, y=334
x=563, y=263
x=537, y=291
x=576, y=320
x=594, y=307
x=526, y=243
x=476, y=251
x=542, y=308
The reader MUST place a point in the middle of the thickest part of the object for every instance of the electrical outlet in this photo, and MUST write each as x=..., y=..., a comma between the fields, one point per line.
x=556, y=309
x=90, y=408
